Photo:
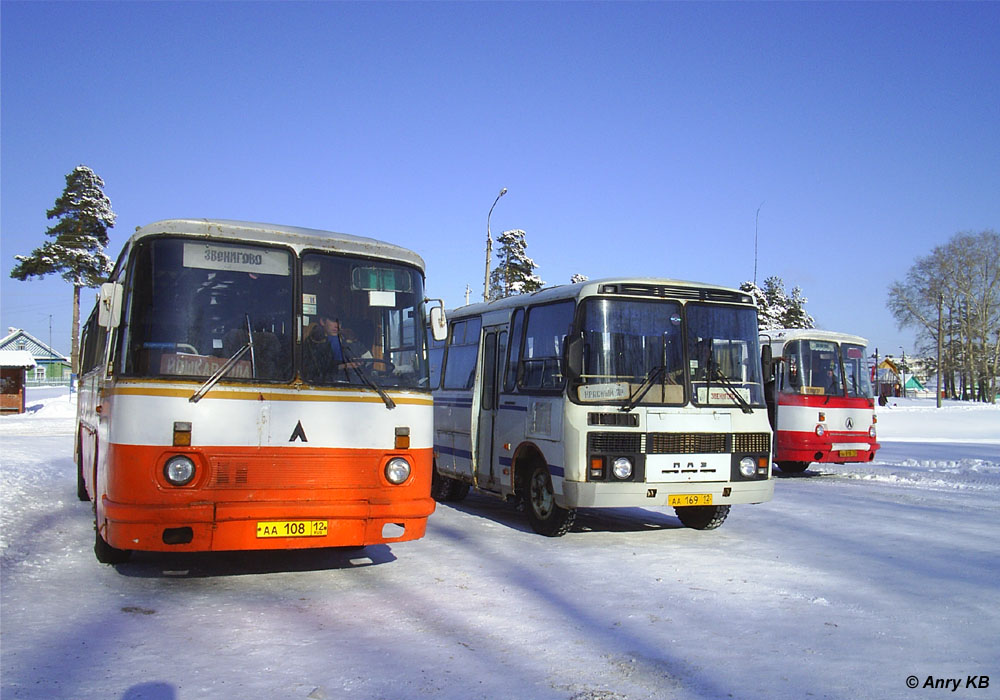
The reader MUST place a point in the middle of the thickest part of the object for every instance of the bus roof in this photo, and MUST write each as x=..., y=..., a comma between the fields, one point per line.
x=783, y=335
x=633, y=287
x=294, y=236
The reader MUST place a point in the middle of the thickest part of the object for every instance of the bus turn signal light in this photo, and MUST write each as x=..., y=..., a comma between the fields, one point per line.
x=182, y=434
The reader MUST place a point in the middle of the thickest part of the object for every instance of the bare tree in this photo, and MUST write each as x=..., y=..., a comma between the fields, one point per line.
x=962, y=279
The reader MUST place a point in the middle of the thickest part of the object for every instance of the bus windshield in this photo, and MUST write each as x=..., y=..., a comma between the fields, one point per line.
x=194, y=303
x=360, y=322
x=856, y=373
x=630, y=347
x=723, y=355
x=814, y=367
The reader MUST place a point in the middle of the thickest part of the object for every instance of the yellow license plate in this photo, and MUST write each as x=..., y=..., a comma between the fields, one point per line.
x=292, y=528
x=690, y=499
x=848, y=453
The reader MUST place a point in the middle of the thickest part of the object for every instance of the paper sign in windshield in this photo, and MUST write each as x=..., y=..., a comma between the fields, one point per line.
x=617, y=391
x=718, y=394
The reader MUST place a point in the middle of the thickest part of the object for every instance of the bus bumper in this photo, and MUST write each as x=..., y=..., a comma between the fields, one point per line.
x=234, y=526
x=839, y=448
x=578, y=494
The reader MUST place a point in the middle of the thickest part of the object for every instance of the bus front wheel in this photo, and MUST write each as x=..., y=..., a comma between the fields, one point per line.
x=545, y=515
x=702, y=517
x=792, y=467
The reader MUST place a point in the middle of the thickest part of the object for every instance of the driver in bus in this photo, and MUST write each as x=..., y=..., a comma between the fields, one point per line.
x=329, y=351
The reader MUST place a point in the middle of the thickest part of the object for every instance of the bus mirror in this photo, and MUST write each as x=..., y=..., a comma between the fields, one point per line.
x=765, y=361
x=109, y=305
x=574, y=356
x=439, y=322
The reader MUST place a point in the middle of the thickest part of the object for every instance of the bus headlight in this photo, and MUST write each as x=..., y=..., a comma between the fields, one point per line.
x=179, y=470
x=397, y=470
x=748, y=467
x=821, y=430
x=871, y=432
x=622, y=468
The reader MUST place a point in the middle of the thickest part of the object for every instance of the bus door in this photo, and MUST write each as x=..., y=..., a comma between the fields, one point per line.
x=494, y=350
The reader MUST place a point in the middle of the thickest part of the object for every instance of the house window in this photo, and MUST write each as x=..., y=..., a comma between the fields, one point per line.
x=39, y=374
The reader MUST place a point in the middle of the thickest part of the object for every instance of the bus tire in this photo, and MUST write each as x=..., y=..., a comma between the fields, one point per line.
x=444, y=489
x=545, y=515
x=441, y=487
x=792, y=467
x=105, y=553
x=81, y=486
x=702, y=517
x=459, y=490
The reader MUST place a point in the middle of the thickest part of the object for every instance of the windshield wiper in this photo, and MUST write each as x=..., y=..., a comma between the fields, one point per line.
x=367, y=378
x=230, y=363
x=728, y=386
x=647, y=384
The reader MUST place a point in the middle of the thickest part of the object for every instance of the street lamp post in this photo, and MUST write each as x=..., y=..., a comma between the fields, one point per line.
x=902, y=372
x=489, y=247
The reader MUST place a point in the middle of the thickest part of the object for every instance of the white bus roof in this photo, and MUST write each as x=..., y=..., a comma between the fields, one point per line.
x=783, y=335
x=293, y=236
x=632, y=287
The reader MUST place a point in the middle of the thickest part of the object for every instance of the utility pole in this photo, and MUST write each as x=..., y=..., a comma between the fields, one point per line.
x=902, y=372
x=938, y=391
x=755, y=220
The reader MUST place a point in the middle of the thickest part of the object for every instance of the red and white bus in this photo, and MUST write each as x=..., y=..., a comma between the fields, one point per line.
x=820, y=401
x=252, y=386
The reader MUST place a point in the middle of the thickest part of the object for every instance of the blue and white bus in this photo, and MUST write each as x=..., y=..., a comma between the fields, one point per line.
x=606, y=393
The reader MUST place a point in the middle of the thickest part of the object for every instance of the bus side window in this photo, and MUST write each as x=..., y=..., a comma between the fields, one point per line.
x=435, y=358
x=545, y=333
x=460, y=362
x=791, y=378
x=510, y=379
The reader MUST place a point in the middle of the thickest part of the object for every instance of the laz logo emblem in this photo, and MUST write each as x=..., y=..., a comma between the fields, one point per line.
x=650, y=493
x=298, y=433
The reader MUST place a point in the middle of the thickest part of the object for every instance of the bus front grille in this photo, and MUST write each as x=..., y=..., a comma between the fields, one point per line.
x=751, y=442
x=685, y=443
x=677, y=443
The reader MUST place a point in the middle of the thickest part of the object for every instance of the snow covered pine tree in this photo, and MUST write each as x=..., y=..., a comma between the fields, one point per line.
x=515, y=272
x=80, y=236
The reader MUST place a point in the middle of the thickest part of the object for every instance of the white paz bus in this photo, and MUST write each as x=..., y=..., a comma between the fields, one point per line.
x=607, y=393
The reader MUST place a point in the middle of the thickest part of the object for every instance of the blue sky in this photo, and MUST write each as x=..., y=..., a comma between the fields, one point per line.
x=634, y=139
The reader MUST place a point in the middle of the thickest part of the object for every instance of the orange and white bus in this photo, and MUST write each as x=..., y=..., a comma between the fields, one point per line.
x=820, y=398
x=252, y=386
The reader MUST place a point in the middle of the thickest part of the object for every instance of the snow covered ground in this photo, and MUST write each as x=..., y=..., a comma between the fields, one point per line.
x=853, y=582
